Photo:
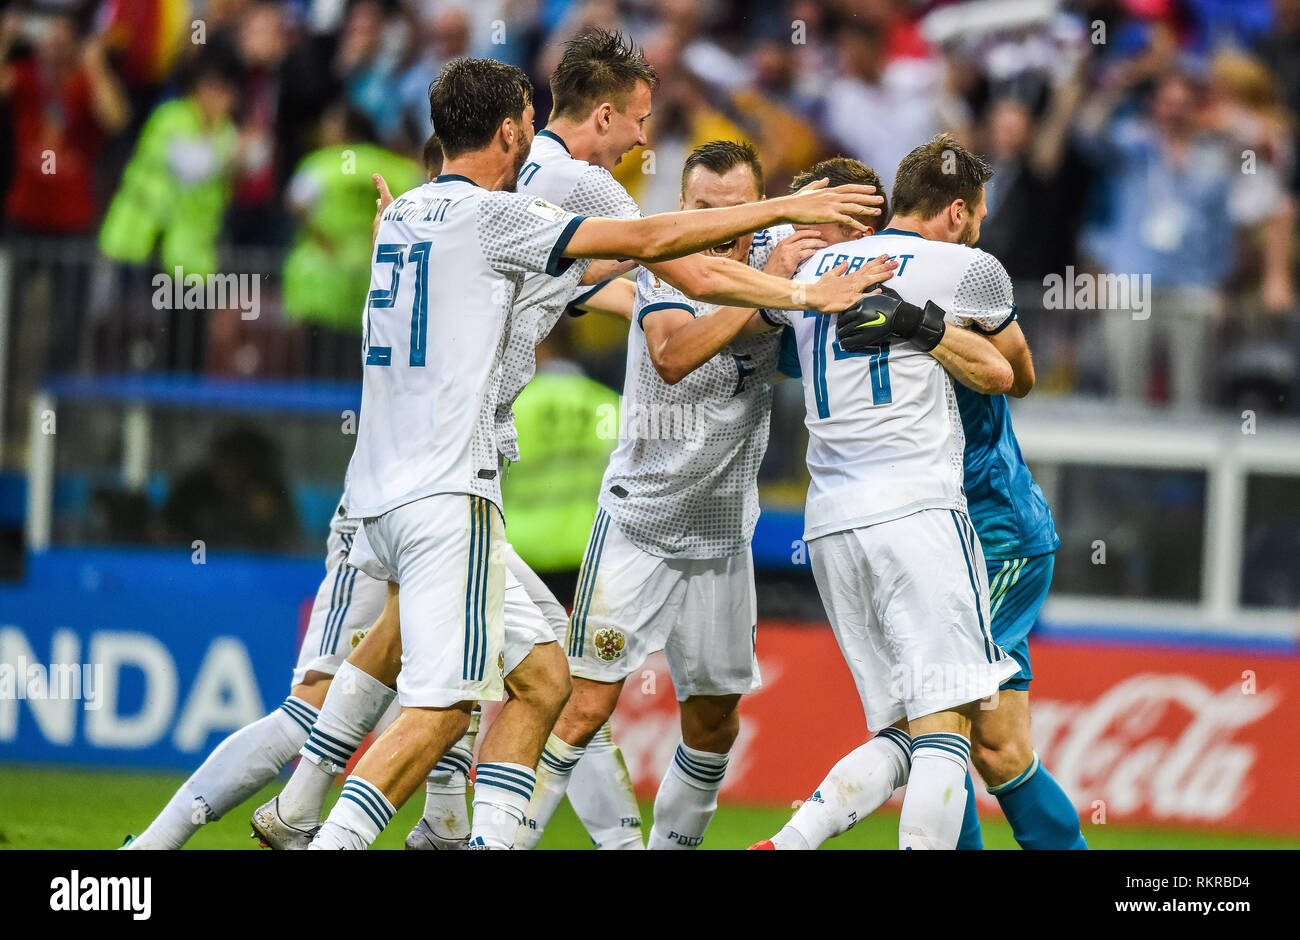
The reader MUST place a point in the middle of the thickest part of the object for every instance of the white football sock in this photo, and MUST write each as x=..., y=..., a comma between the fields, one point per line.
x=553, y=772
x=353, y=705
x=357, y=818
x=687, y=798
x=241, y=765
x=602, y=795
x=855, y=788
x=936, y=792
x=444, y=790
x=501, y=795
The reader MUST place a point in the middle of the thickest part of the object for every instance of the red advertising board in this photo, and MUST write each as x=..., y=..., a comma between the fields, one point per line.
x=1140, y=734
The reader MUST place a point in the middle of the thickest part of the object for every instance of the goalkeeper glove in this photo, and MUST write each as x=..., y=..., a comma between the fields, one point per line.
x=878, y=316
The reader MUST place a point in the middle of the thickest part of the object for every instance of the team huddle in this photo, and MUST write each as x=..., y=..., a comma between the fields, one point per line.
x=930, y=543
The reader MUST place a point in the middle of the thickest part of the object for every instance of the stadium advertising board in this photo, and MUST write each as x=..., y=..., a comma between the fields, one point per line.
x=1135, y=734
x=142, y=659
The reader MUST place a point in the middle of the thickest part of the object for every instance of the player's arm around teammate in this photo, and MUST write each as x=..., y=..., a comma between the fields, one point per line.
x=679, y=342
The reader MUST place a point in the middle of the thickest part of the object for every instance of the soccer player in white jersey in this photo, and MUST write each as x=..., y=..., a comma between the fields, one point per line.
x=896, y=559
x=668, y=564
x=424, y=475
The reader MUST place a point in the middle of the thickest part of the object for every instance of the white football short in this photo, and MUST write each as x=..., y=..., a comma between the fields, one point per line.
x=447, y=553
x=908, y=600
x=347, y=602
x=532, y=614
x=630, y=603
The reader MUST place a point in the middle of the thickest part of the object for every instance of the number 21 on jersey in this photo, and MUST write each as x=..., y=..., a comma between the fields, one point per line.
x=397, y=256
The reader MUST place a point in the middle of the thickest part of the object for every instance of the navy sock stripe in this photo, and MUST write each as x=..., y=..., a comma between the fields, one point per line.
x=342, y=753
x=338, y=754
x=332, y=743
x=701, y=772
x=300, y=705
x=955, y=749
x=519, y=776
x=348, y=795
x=299, y=714
x=366, y=794
x=376, y=800
x=333, y=740
x=297, y=719
x=453, y=762
x=899, y=738
x=695, y=775
x=508, y=787
x=556, y=764
x=324, y=755
x=943, y=736
x=301, y=709
x=701, y=764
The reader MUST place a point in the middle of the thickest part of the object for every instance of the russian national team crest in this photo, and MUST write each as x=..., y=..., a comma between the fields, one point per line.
x=609, y=644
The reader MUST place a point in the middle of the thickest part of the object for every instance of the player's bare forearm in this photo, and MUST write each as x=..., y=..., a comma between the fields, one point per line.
x=601, y=271
x=615, y=299
x=1011, y=343
x=973, y=361
x=674, y=234
x=728, y=282
x=680, y=344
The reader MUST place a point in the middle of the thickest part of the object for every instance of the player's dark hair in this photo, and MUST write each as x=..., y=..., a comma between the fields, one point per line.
x=722, y=156
x=935, y=175
x=845, y=171
x=432, y=156
x=471, y=97
x=598, y=66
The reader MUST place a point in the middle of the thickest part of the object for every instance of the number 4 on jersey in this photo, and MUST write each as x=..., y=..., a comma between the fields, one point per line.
x=397, y=256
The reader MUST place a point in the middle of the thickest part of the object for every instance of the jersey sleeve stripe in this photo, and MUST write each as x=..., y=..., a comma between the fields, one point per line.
x=663, y=305
x=1001, y=326
x=557, y=263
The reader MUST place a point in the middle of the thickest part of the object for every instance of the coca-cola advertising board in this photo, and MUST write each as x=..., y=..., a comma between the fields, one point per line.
x=1134, y=733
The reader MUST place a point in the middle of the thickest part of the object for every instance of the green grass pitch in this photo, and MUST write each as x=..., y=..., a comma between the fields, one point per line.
x=55, y=808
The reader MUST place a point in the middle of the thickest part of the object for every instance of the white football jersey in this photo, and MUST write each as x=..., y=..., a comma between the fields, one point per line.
x=553, y=174
x=683, y=481
x=447, y=266
x=885, y=438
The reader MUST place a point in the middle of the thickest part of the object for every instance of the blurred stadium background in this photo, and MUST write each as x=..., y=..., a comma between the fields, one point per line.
x=167, y=475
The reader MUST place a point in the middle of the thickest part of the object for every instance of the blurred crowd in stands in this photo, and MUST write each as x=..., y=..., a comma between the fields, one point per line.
x=1147, y=137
